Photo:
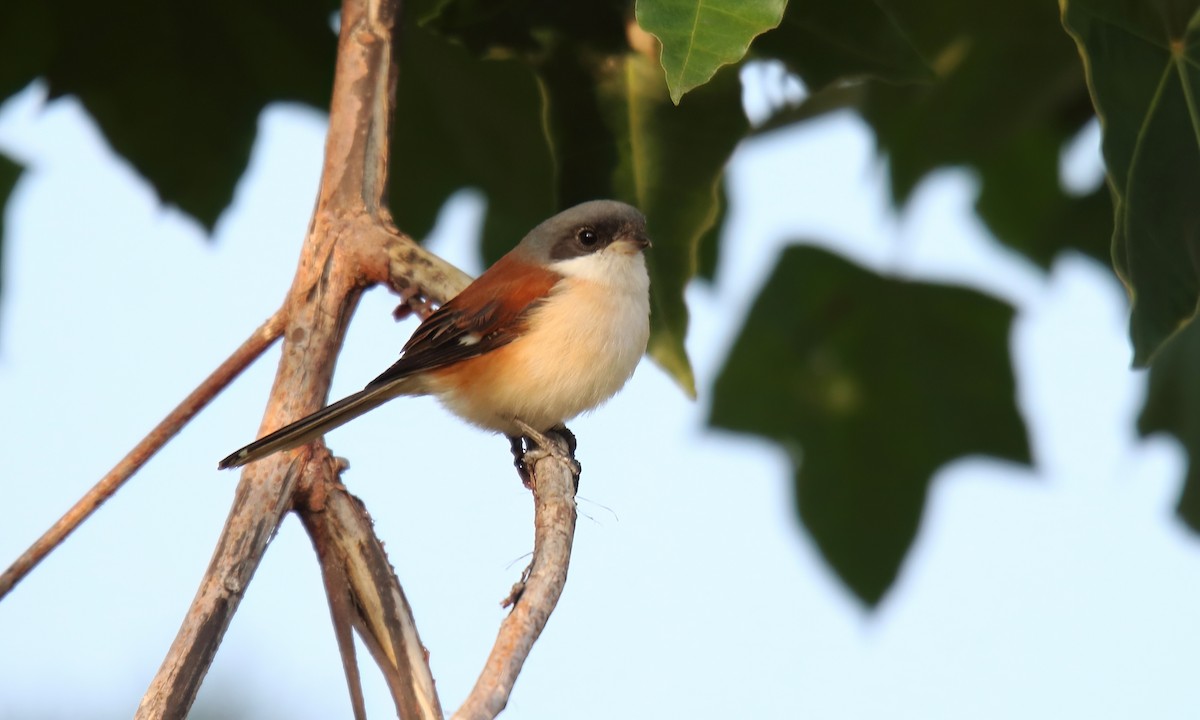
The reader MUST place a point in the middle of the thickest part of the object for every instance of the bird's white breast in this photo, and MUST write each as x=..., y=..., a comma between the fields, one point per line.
x=580, y=347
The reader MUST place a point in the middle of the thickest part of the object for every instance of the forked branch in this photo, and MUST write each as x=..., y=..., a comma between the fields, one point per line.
x=365, y=594
x=351, y=244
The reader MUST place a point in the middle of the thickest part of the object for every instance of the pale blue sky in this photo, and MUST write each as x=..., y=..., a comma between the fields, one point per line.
x=1067, y=590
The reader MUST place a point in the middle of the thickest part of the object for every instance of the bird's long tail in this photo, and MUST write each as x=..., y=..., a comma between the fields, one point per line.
x=315, y=425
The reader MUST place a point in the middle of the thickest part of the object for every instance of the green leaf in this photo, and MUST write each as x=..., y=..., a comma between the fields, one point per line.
x=1173, y=406
x=1022, y=201
x=871, y=384
x=1141, y=60
x=27, y=41
x=584, y=147
x=465, y=121
x=9, y=172
x=993, y=86
x=708, y=248
x=831, y=98
x=1007, y=94
x=526, y=26
x=700, y=36
x=177, y=88
x=670, y=163
x=824, y=42
x=1002, y=70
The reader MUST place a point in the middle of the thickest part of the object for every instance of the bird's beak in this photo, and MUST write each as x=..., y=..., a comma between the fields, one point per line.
x=638, y=240
x=630, y=241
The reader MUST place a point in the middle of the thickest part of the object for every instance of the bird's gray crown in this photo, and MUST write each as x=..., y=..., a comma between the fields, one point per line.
x=585, y=229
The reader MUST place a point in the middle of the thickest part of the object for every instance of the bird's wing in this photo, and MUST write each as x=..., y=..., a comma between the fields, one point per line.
x=500, y=302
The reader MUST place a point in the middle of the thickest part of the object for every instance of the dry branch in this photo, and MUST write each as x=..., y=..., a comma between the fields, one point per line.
x=363, y=592
x=553, y=472
x=350, y=244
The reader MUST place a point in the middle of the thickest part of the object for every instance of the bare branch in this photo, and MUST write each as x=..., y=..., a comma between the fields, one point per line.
x=554, y=475
x=343, y=534
x=351, y=244
x=197, y=400
x=261, y=500
x=341, y=607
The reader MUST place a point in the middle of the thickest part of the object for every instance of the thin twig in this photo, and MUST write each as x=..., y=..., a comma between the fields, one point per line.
x=250, y=350
x=554, y=480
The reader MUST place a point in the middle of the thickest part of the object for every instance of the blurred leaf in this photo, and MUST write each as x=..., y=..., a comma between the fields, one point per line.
x=700, y=36
x=831, y=98
x=1002, y=70
x=9, y=172
x=1083, y=224
x=524, y=26
x=824, y=42
x=1173, y=406
x=708, y=248
x=1141, y=60
x=993, y=86
x=27, y=42
x=1022, y=201
x=871, y=384
x=1006, y=96
x=545, y=146
x=464, y=121
x=177, y=88
x=584, y=149
x=671, y=160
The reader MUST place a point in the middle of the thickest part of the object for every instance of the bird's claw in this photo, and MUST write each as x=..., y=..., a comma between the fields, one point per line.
x=517, y=445
x=413, y=302
x=533, y=446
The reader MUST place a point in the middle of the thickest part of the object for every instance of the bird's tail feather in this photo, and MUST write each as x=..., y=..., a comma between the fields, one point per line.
x=312, y=426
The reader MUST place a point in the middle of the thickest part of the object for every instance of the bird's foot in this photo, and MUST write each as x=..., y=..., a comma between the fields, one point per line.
x=565, y=434
x=535, y=446
x=516, y=444
x=413, y=302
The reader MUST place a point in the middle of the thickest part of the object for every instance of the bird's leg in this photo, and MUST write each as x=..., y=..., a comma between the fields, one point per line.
x=539, y=446
x=527, y=450
x=516, y=443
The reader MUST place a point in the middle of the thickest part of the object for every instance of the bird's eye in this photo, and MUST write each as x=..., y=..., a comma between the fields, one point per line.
x=587, y=237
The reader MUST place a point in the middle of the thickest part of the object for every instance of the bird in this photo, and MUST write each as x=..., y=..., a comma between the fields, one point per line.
x=553, y=329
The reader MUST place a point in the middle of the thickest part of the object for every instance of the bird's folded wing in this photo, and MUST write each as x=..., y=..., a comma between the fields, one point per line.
x=490, y=313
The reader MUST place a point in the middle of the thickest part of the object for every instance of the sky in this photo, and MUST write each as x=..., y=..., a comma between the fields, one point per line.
x=1062, y=590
